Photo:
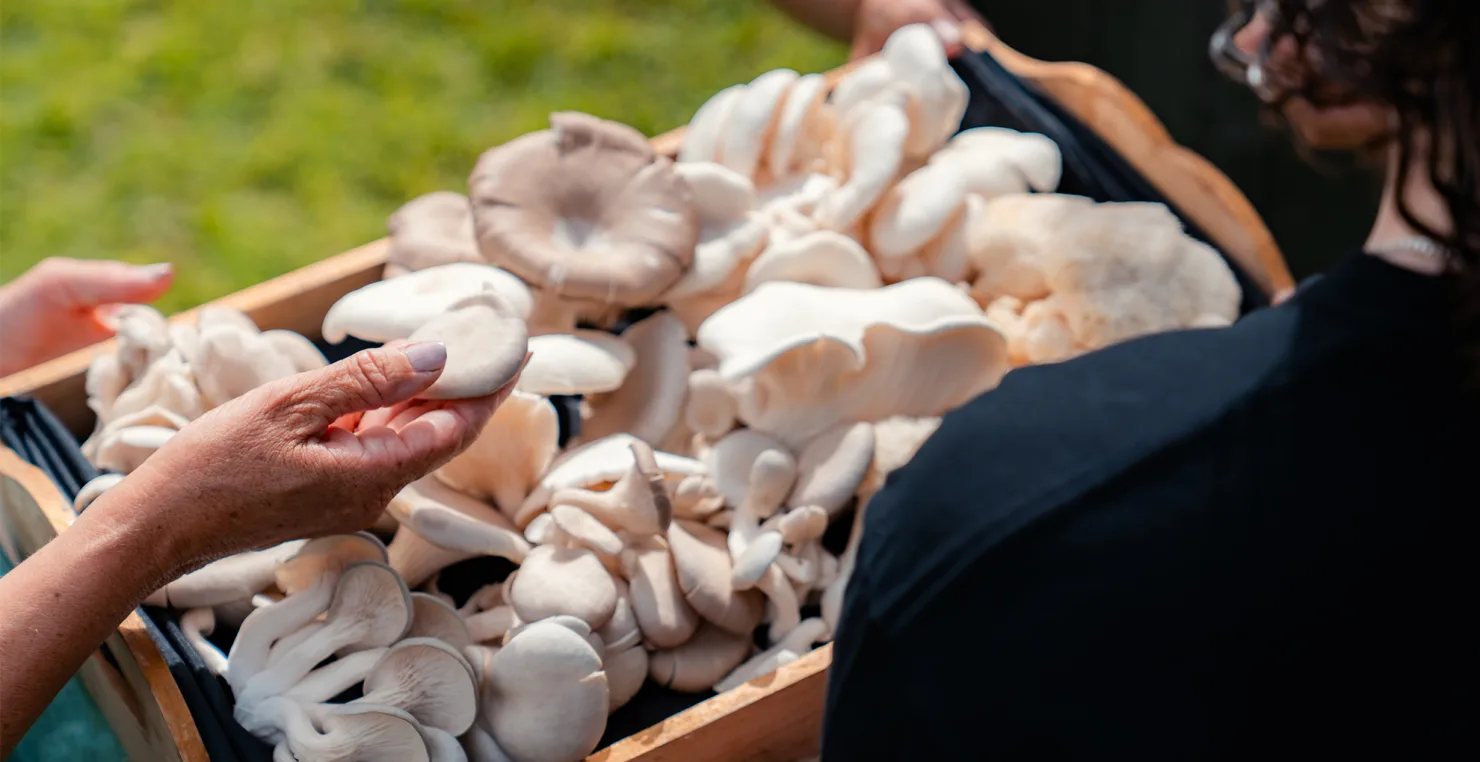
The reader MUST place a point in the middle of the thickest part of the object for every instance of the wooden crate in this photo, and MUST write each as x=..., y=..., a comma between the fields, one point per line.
x=776, y=718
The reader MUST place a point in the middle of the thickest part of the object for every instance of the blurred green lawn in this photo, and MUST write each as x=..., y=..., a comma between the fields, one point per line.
x=242, y=140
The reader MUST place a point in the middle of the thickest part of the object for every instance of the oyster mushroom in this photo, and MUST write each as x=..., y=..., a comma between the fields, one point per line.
x=585, y=211
x=508, y=458
x=556, y=580
x=394, y=309
x=371, y=607
x=547, y=697
x=143, y=336
x=196, y=624
x=802, y=124
x=666, y=619
x=95, y=489
x=795, y=645
x=359, y=732
x=487, y=343
x=225, y=580
x=234, y=361
x=732, y=232
x=492, y=625
x=811, y=358
x=696, y=666
x=167, y=384
x=732, y=458
x=622, y=630
x=430, y=230
x=431, y=617
x=598, y=464
x=832, y=466
x=427, y=679
x=749, y=122
x=822, y=258
x=649, y=404
x=709, y=410
x=125, y=449
x=637, y=503
x=870, y=151
x=917, y=59
x=625, y=672
x=702, y=561
x=299, y=351
x=106, y=379
x=440, y=526
x=582, y=362
x=332, y=679
x=701, y=141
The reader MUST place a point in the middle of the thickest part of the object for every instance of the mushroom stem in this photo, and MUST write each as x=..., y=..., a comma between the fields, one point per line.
x=786, y=610
x=796, y=643
x=249, y=652
x=332, y=679
x=638, y=502
x=196, y=624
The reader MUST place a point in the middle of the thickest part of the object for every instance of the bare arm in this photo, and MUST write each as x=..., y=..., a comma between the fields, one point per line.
x=834, y=18
x=299, y=457
x=868, y=23
x=66, y=598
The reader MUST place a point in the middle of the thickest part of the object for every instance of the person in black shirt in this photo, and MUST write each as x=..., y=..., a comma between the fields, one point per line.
x=1158, y=48
x=1237, y=543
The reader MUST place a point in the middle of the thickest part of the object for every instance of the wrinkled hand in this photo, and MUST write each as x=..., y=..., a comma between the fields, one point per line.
x=53, y=308
x=877, y=19
x=314, y=454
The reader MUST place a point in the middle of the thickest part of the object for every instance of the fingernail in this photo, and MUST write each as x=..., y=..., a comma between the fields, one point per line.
x=426, y=356
x=158, y=270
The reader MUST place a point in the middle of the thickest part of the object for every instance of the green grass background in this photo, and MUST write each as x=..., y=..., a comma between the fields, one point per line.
x=242, y=140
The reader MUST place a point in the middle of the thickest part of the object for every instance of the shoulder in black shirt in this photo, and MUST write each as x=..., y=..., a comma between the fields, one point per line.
x=1217, y=543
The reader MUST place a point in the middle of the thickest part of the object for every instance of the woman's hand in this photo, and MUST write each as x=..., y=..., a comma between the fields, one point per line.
x=53, y=308
x=315, y=454
x=877, y=19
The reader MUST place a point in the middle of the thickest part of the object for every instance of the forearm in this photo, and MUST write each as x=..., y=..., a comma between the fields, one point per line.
x=62, y=602
x=833, y=18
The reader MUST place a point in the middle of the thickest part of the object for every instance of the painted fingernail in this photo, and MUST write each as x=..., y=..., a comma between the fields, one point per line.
x=426, y=356
x=158, y=270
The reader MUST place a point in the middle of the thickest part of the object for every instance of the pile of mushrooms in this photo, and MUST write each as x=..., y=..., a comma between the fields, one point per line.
x=162, y=375
x=819, y=277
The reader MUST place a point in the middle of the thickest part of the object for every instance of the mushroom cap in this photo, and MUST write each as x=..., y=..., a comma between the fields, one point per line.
x=94, y=489
x=486, y=345
x=650, y=401
x=547, y=696
x=749, y=125
x=584, y=528
x=234, y=361
x=584, y=362
x=435, y=516
x=366, y=733
x=167, y=384
x=665, y=617
x=373, y=596
x=326, y=555
x=585, y=210
x=298, y=350
x=428, y=679
x=800, y=125
x=822, y=258
x=598, y=464
x=697, y=665
x=625, y=672
x=432, y=617
x=621, y=631
x=832, y=466
x=127, y=448
x=706, y=128
x=701, y=558
x=510, y=455
x=395, y=308
x=430, y=230
x=732, y=458
x=555, y=580
x=143, y=337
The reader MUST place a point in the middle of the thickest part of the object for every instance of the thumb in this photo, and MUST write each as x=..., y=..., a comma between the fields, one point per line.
x=85, y=284
x=367, y=380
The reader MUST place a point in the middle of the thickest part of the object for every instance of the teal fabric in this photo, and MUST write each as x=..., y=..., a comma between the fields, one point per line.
x=72, y=728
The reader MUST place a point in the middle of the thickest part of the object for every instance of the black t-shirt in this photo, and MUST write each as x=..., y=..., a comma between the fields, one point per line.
x=1159, y=49
x=1250, y=542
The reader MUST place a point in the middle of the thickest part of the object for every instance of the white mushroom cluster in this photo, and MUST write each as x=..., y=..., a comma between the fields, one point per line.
x=823, y=273
x=163, y=375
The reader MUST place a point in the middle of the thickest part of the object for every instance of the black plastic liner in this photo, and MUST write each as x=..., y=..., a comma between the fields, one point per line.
x=1091, y=169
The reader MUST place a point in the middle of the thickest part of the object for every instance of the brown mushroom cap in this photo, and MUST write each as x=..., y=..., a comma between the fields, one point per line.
x=430, y=230
x=585, y=210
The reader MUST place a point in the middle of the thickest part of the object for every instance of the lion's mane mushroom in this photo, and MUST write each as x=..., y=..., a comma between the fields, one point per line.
x=371, y=607
x=440, y=526
x=650, y=402
x=394, y=309
x=430, y=230
x=815, y=357
x=585, y=211
x=696, y=666
x=511, y=454
x=487, y=343
x=546, y=699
